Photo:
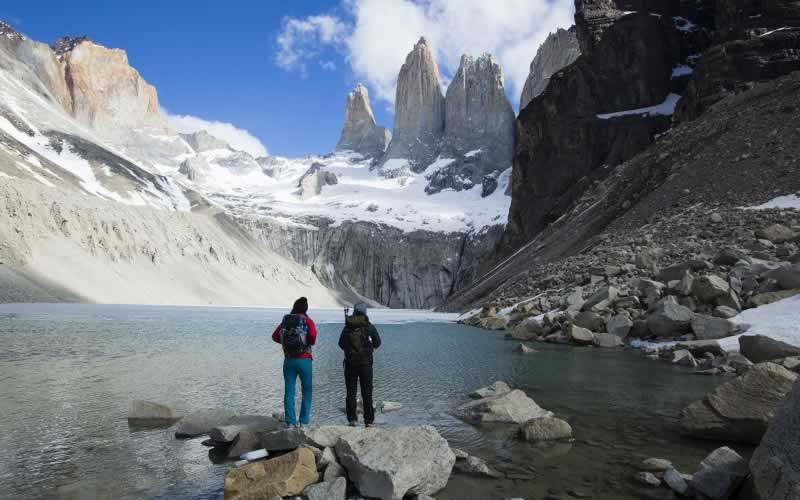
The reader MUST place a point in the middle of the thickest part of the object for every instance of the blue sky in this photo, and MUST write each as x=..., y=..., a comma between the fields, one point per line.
x=223, y=61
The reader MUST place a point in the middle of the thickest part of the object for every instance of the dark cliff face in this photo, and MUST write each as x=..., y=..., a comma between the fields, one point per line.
x=757, y=41
x=627, y=63
x=418, y=269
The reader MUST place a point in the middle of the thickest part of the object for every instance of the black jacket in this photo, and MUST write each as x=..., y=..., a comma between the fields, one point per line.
x=360, y=321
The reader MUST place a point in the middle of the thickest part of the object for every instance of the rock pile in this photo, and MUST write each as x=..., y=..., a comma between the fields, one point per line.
x=643, y=285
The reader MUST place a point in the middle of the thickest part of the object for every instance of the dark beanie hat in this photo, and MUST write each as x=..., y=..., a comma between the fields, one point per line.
x=300, y=306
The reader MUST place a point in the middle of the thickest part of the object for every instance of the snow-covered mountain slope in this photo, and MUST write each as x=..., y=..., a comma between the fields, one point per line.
x=71, y=127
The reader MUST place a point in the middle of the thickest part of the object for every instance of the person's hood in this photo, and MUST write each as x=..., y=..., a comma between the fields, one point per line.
x=357, y=320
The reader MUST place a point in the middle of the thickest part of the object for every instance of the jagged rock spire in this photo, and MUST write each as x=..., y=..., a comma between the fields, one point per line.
x=419, y=109
x=559, y=50
x=360, y=132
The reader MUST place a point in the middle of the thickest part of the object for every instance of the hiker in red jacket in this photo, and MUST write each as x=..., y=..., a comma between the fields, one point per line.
x=297, y=333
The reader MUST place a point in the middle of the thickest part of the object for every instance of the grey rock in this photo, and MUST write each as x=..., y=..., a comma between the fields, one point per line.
x=787, y=277
x=724, y=312
x=738, y=362
x=676, y=482
x=720, y=474
x=336, y=490
x=760, y=348
x=394, y=463
x=199, y=423
x=606, y=340
x=528, y=329
x=559, y=49
x=524, y=349
x=765, y=298
x=669, y=319
x=776, y=233
x=327, y=457
x=619, y=325
x=730, y=256
x=419, y=110
x=245, y=441
x=774, y=465
x=333, y=471
x=709, y=287
x=360, y=132
x=150, y=414
x=711, y=328
x=729, y=299
x=601, y=300
x=648, y=479
x=740, y=409
x=655, y=465
x=686, y=283
x=496, y=389
x=512, y=407
x=676, y=272
x=545, y=429
x=233, y=426
x=590, y=320
x=631, y=302
x=683, y=357
x=578, y=335
x=475, y=466
x=313, y=180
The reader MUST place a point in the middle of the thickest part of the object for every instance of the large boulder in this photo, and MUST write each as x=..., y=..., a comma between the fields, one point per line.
x=283, y=476
x=720, y=474
x=580, y=336
x=396, y=462
x=787, y=277
x=325, y=436
x=150, y=414
x=670, y=319
x=760, y=348
x=590, y=321
x=528, y=329
x=512, y=407
x=545, y=429
x=739, y=410
x=201, y=422
x=606, y=340
x=775, y=465
x=601, y=299
x=619, y=325
x=776, y=233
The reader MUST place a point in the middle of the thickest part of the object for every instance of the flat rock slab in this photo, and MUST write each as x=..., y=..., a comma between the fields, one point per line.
x=720, y=474
x=760, y=348
x=325, y=436
x=201, y=422
x=391, y=463
x=739, y=410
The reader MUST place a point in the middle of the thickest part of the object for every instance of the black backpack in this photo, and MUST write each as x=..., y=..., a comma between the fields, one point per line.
x=294, y=335
x=358, y=348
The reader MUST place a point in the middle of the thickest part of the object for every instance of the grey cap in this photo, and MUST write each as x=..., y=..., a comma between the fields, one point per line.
x=360, y=308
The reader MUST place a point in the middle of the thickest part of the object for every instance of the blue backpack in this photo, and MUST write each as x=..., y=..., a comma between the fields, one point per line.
x=294, y=335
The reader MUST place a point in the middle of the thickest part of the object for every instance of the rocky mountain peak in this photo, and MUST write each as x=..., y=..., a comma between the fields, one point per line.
x=203, y=141
x=360, y=132
x=479, y=125
x=67, y=43
x=419, y=109
x=7, y=31
x=559, y=50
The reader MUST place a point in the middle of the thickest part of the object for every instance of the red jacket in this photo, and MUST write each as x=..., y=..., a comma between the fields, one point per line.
x=311, y=338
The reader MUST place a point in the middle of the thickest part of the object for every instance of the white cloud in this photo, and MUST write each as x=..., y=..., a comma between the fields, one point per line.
x=376, y=35
x=300, y=40
x=237, y=138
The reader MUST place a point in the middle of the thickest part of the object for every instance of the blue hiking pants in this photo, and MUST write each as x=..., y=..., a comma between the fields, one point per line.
x=293, y=368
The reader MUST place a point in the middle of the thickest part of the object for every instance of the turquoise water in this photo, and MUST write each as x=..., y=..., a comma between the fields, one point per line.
x=68, y=373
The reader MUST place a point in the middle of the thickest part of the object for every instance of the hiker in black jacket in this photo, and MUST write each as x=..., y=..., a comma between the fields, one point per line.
x=358, y=340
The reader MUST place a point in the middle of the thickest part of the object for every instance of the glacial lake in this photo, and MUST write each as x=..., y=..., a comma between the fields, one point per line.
x=69, y=372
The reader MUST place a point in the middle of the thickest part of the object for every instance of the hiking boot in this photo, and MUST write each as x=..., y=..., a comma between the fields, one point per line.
x=351, y=423
x=369, y=425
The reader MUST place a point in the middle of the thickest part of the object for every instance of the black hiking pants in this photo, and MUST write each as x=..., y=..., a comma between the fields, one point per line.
x=353, y=375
